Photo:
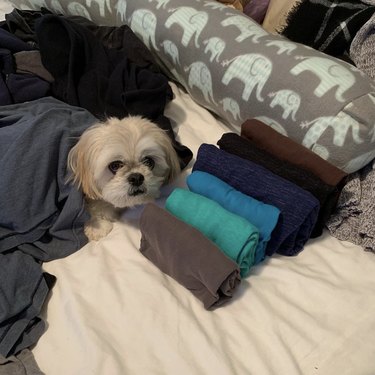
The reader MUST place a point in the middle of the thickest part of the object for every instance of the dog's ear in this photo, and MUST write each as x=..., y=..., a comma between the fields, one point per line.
x=81, y=174
x=172, y=160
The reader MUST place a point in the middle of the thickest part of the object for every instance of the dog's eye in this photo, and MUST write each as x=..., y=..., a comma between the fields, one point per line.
x=115, y=166
x=149, y=162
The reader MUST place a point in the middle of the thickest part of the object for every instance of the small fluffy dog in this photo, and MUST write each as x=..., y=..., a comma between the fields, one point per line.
x=119, y=164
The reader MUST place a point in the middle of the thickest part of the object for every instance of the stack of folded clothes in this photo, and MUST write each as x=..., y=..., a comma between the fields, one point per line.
x=257, y=194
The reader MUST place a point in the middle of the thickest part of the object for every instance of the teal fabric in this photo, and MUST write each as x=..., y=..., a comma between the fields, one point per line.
x=234, y=235
x=261, y=215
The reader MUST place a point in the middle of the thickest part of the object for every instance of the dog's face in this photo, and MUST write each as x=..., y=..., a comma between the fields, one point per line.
x=123, y=162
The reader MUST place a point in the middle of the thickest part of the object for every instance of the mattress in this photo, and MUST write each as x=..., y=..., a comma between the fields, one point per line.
x=113, y=312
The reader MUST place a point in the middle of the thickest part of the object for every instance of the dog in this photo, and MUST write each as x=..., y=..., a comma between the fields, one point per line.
x=120, y=163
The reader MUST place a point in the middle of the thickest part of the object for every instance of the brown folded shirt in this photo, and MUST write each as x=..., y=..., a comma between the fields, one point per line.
x=287, y=149
x=185, y=254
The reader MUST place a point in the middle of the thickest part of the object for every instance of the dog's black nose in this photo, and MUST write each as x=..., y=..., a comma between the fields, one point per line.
x=136, y=179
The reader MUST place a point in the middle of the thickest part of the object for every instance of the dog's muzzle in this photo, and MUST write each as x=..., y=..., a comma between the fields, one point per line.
x=136, y=180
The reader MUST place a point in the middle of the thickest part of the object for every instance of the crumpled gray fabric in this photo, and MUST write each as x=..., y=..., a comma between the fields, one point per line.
x=21, y=364
x=354, y=218
x=362, y=48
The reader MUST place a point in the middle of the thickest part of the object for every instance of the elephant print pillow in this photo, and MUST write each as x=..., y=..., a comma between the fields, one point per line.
x=232, y=66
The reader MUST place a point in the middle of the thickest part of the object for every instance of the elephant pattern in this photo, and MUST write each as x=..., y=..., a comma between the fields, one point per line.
x=143, y=23
x=288, y=100
x=231, y=65
x=330, y=73
x=273, y=124
x=121, y=10
x=216, y=5
x=252, y=69
x=230, y=105
x=191, y=21
x=340, y=125
x=200, y=77
x=215, y=46
x=246, y=27
x=171, y=50
x=102, y=4
x=283, y=46
x=77, y=8
x=160, y=3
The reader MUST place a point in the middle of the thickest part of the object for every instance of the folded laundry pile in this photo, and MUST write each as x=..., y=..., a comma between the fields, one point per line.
x=248, y=202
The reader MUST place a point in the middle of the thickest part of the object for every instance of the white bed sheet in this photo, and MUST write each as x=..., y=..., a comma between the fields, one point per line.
x=112, y=312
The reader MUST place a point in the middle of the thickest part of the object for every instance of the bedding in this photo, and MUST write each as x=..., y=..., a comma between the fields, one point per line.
x=224, y=59
x=332, y=26
x=113, y=310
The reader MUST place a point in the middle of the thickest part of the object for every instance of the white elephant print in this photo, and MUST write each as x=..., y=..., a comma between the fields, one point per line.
x=79, y=10
x=121, y=10
x=171, y=50
x=330, y=73
x=160, y=3
x=252, y=69
x=231, y=106
x=273, y=124
x=340, y=125
x=246, y=27
x=289, y=100
x=143, y=23
x=38, y=4
x=200, y=77
x=283, y=46
x=216, y=5
x=215, y=46
x=101, y=4
x=192, y=22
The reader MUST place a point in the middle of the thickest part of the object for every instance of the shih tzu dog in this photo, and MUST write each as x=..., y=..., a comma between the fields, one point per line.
x=120, y=164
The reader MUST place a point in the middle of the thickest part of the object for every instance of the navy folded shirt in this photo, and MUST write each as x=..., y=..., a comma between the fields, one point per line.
x=299, y=208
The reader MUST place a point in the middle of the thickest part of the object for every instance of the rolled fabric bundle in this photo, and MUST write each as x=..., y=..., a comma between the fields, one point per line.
x=185, y=254
x=285, y=148
x=326, y=194
x=298, y=208
x=234, y=235
x=262, y=216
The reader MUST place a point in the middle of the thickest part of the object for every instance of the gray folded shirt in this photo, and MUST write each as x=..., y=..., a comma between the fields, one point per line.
x=185, y=254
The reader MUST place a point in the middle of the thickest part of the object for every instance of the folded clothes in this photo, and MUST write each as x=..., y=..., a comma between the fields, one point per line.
x=298, y=208
x=326, y=194
x=286, y=149
x=234, y=235
x=189, y=257
x=262, y=216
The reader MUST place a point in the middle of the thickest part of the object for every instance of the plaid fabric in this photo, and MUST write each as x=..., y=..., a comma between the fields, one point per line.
x=327, y=25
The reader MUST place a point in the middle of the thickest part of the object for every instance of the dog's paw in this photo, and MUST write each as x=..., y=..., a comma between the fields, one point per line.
x=97, y=229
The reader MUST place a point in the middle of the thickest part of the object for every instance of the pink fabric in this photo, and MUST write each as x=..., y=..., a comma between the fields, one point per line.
x=256, y=9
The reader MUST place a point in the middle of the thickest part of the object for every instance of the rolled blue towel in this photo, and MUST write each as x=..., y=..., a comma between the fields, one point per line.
x=234, y=235
x=261, y=215
x=298, y=208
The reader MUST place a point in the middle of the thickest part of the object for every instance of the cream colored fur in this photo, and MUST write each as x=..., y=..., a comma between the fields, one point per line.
x=132, y=142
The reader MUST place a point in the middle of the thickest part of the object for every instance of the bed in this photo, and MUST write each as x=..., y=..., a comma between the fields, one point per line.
x=112, y=311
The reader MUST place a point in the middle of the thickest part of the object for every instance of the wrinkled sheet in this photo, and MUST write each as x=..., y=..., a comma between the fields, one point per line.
x=113, y=312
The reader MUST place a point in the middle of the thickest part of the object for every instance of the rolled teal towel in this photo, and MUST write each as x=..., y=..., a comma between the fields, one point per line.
x=234, y=235
x=262, y=216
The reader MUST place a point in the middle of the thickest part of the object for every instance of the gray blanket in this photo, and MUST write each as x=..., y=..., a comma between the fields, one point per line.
x=41, y=216
x=354, y=219
x=39, y=213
